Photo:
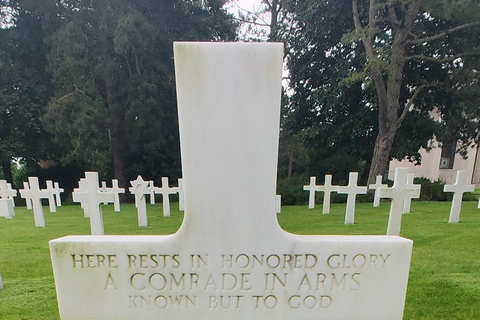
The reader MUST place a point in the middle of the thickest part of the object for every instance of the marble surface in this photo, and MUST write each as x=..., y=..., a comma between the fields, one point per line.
x=230, y=259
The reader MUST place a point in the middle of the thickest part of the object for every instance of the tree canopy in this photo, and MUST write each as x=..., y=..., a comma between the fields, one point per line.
x=90, y=84
x=112, y=107
x=374, y=70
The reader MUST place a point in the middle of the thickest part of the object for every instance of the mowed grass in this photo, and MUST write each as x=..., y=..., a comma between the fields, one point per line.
x=444, y=277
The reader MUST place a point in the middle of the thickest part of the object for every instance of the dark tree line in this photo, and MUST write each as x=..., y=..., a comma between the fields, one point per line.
x=89, y=84
x=101, y=81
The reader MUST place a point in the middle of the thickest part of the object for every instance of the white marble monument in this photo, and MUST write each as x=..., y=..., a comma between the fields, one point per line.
x=34, y=194
x=458, y=189
x=327, y=189
x=91, y=197
x=311, y=188
x=376, y=186
x=398, y=193
x=352, y=189
x=140, y=188
x=230, y=259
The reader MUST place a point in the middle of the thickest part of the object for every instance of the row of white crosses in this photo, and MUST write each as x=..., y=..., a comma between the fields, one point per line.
x=33, y=195
x=140, y=188
x=406, y=190
x=351, y=190
x=401, y=194
x=90, y=196
x=327, y=189
x=7, y=202
x=408, y=200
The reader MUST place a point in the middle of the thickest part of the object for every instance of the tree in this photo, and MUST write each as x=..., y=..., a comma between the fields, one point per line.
x=402, y=56
x=113, y=70
x=406, y=40
x=24, y=88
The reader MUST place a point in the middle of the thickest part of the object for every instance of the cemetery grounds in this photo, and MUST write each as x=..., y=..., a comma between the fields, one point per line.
x=444, y=276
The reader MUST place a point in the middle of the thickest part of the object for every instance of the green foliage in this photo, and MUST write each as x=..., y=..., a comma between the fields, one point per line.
x=433, y=190
x=24, y=89
x=332, y=83
x=292, y=191
x=115, y=93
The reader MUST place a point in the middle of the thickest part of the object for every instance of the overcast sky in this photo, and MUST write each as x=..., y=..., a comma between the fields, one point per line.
x=247, y=5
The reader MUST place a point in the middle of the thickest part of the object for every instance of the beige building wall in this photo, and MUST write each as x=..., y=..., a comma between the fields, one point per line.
x=430, y=167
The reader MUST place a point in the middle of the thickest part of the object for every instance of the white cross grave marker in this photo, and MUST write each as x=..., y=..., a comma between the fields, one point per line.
x=103, y=189
x=35, y=194
x=378, y=184
x=181, y=196
x=311, y=188
x=327, y=189
x=458, y=189
x=410, y=185
x=51, y=196
x=115, y=190
x=278, y=203
x=165, y=191
x=10, y=189
x=6, y=209
x=1, y=282
x=82, y=188
x=92, y=197
x=398, y=193
x=56, y=191
x=352, y=189
x=6, y=191
x=151, y=188
x=116, y=194
x=230, y=259
x=28, y=201
x=140, y=188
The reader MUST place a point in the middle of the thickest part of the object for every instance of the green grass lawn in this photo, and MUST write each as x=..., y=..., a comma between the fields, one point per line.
x=444, y=278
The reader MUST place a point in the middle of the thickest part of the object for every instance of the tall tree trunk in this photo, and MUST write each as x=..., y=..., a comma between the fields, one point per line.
x=117, y=120
x=388, y=81
x=381, y=155
x=290, y=165
x=7, y=170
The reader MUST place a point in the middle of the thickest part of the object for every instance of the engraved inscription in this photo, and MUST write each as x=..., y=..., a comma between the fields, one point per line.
x=232, y=281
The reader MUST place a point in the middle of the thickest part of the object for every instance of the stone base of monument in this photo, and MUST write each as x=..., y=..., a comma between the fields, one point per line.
x=6, y=208
x=173, y=277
